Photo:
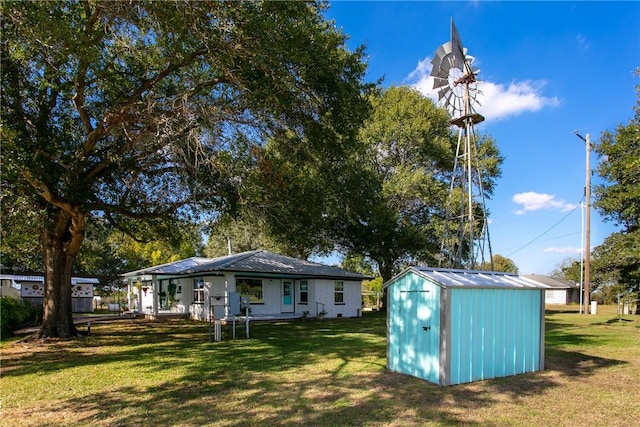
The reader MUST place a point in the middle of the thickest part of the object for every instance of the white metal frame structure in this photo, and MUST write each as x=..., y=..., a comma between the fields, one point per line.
x=465, y=242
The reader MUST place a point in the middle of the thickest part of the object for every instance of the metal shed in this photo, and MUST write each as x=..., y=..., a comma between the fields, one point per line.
x=31, y=288
x=457, y=326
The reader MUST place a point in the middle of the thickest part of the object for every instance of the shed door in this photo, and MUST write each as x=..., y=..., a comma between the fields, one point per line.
x=420, y=352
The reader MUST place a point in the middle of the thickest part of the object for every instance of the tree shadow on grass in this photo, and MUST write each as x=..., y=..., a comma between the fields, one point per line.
x=235, y=398
x=274, y=377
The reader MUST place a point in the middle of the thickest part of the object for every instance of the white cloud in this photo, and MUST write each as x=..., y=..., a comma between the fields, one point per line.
x=498, y=100
x=421, y=80
x=583, y=42
x=564, y=250
x=532, y=201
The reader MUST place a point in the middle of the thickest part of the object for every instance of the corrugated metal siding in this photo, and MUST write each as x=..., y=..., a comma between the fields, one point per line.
x=412, y=349
x=494, y=333
x=82, y=305
x=452, y=278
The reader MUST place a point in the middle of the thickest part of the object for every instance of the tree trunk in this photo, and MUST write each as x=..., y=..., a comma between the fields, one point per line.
x=386, y=272
x=61, y=241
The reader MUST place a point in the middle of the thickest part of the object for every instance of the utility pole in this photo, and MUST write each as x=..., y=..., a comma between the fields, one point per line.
x=587, y=229
x=587, y=246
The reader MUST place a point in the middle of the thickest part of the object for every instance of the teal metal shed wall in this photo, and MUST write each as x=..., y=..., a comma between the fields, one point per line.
x=453, y=335
x=493, y=333
x=413, y=328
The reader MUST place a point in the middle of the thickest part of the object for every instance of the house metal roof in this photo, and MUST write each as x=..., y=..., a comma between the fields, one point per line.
x=259, y=261
x=552, y=282
x=454, y=278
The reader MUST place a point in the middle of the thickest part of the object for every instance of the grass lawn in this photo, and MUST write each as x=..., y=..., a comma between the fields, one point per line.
x=313, y=373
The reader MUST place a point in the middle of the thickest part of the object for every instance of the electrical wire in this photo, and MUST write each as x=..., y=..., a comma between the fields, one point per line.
x=544, y=232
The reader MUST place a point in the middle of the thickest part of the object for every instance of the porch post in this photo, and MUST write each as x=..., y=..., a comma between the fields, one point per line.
x=229, y=286
x=154, y=295
x=129, y=300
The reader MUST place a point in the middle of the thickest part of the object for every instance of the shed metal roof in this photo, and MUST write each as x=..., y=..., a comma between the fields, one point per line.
x=258, y=261
x=454, y=278
x=23, y=278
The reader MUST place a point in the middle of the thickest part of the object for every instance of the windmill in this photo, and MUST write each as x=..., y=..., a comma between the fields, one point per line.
x=465, y=242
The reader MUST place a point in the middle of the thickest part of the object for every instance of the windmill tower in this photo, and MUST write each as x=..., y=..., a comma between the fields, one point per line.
x=465, y=242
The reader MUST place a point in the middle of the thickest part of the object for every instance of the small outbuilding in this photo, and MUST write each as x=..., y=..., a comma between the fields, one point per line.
x=560, y=292
x=457, y=326
x=31, y=288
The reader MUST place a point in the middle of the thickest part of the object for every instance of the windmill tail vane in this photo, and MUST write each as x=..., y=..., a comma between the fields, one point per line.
x=456, y=44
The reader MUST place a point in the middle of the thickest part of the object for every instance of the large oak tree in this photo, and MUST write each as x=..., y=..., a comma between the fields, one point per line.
x=386, y=201
x=618, y=200
x=145, y=113
x=408, y=154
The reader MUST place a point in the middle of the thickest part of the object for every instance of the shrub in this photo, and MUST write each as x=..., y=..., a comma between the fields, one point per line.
x=15, y=314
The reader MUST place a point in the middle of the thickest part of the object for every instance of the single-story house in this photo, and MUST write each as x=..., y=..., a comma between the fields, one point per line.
x=273, y=285
x=31, y=288
x=452, y=326
x=560, y=292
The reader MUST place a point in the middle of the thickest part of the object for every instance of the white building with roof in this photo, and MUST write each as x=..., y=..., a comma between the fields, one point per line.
x=560, y=292
x=31, y=288
x=273, y=285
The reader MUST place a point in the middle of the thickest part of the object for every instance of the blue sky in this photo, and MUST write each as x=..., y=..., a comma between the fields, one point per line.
x=547, y=69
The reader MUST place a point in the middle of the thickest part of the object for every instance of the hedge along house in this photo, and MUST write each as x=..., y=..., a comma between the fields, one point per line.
x=456, y=326
x=277, y=286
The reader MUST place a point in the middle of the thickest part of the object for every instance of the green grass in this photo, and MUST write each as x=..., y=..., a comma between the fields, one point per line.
x=313, y=373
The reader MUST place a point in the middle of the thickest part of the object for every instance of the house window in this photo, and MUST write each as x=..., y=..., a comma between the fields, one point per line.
x=252, y=288
x=304, y=292
x=198, y=291
x=338, y=292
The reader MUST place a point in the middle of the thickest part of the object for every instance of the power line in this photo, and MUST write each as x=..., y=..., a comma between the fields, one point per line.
x=544, y=232
x=545, y=240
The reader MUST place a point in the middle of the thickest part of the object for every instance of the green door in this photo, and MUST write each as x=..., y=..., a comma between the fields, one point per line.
x=287, y=296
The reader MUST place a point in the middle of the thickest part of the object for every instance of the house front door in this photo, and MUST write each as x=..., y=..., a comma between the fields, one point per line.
x=287, y=296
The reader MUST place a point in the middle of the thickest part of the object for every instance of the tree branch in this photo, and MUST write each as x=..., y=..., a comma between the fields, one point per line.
x=46, y=193
x=79, y=97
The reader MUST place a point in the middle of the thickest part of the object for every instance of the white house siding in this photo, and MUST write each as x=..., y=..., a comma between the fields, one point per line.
x=198, y=312
x=183, y=296
x=271, y=295
x=217, y=291
x=310, y=305
x=353, y=299
x=218, y=286
x=230, y=282
x=272, y=289
x=220, y=276
x=555, y=296
x=214, y=286
x=146, y=298
x=325, y=294
x=321, y=294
